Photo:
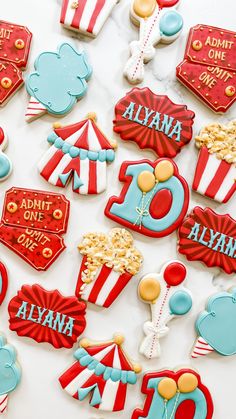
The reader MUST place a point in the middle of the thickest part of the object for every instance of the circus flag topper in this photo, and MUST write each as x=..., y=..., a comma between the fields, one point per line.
x=210, y=238
x=153, y=122
x=5, y=162
x=32, y=224
x=59, y=81
x=178, y=394
x=47, y=316
x=10, y=372
x=168, y=298
x=154, y=199
x=15, y=43
x=81, y=152
x=86, y=17
x=101, y=372
x=216, y=326
x=209, y=65
x=158, y=22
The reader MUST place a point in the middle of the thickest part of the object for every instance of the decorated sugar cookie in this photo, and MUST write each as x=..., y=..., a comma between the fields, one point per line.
x=210, y=238
x=59, y=81
x=216, y=326
x=215, y=175
x=209, y=66
x=176, y=394
x=86, y=17
x=101, y=372
x=168, y=298
x=5, y=162
x=79, y=151
x=153, y=122
x=158, y=21
x=154, y=199
x=15, y=43
x=47, y=316
x=32, y=225
x=10, y=373
x=109, y=263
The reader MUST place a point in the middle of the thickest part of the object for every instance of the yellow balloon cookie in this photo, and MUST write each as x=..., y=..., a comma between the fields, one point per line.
x=146, y=181
x=187, y=383
x=144, y=8
x=164, y=170
x=149, y=289
x=167, y=388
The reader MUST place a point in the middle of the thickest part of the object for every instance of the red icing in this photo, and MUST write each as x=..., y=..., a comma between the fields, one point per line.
x=10, y=33
x=49, y=300
x=186, y=410
x=162, y=142
x=175, y=273
x=4, y=282
x=164, y=200
x=9, y=70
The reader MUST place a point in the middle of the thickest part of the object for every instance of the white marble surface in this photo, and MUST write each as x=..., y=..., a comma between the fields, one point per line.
x=39, y=394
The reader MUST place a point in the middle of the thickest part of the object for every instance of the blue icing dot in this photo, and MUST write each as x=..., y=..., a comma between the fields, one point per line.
x=171, y=23
x=59, y=143
x=79, y=353
x=66, y=147
x=5, y=166
x=115, y=374
x=131, y=377
x=92, y=365
x=107, y=373
x=83, y=154
x=86, y=360
x=102, y=155
x=74, y=152
x=180, y=303
x=92, y=155
x=110, y=155
x=99, y=369
x=52, y=137
x=124, y=377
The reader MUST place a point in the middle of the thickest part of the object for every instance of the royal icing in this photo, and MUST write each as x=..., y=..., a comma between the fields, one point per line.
x=167, y=298
x=47, y=316
x=79, y=151
x=175, y=395
x=215, y=175
x=109, y=262
x=86, y=17
x=210, y=238
x=158, y=22
x=32, y=224
x=154, y=199
x=59, y=81
x=153, y=122
x=209, y=65
x=5, y=162
x=101, y=371
x=10, y=373
x=3, y=282
x=216, y=326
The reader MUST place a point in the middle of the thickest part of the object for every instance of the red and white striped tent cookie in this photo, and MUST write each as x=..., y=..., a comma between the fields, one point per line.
x=80, y=151
x=86, y=16
x=101, y=370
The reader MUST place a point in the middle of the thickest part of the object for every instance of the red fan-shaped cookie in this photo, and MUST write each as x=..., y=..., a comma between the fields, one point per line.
x=47, y=316
x=153, y=122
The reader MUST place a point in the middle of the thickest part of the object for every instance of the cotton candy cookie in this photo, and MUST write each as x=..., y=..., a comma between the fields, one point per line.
x=10, y=373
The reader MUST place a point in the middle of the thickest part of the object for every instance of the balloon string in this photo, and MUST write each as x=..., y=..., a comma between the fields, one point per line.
x=142, y=210
x=174, y=407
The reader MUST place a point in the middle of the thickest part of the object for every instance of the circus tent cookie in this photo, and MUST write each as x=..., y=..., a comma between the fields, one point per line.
x=79, y=151
x=10, y=373
x=32, y=225
x=87, y=16
x=153, y=122
x=216, y=326
x=209, y=66
x=215, y=175
x=210, y=238
x=102, y=371
x=178, y=394
x=154, y=199
x=15, y=43
x=168, y=298
x=5, y=162
x=47, y=316
x=109, y=262
x=158, y=21
x=59, y=81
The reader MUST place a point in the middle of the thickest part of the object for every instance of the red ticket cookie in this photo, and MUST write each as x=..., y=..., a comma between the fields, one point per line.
x=153, y=122
x=209, y=66
x=176, y=394
x=209, y=237
x=32, y=224
x=47, y=316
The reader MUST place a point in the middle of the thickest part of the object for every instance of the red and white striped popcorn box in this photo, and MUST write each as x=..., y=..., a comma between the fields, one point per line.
x=86, y=16
x=105, y=287
x=214, y=178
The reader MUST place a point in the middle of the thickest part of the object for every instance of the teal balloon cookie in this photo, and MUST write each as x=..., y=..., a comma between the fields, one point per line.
x=59, y=81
